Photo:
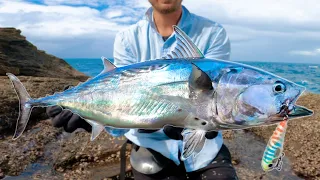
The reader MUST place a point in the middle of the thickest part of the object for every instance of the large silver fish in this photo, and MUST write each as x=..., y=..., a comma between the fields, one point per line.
x=183, y=89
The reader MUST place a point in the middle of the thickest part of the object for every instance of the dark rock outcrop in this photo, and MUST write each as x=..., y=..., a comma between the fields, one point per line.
x=20, y=57
x=40, y=73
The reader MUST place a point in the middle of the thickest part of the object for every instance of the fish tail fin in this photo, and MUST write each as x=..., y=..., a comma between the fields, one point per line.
x=24, y=107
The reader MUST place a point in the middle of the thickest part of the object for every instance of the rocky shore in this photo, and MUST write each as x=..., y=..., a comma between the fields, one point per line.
x=45, y=152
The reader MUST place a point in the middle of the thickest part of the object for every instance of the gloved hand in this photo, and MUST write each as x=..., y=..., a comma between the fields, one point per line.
x=66, y=119
x=175, y=132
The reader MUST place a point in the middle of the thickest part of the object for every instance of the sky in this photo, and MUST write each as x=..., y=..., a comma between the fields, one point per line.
x=264, y=30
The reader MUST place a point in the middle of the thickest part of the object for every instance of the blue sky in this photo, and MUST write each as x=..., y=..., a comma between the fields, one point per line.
x=264, y=30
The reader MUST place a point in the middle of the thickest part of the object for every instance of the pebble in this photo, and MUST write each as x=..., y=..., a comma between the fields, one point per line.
x=96, y=158
x=235, y=161
x=60, y=169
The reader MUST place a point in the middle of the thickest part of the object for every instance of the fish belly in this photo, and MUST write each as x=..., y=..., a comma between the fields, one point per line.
x=123, y=111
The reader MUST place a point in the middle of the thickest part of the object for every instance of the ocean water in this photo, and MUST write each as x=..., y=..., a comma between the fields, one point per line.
x=304, y=74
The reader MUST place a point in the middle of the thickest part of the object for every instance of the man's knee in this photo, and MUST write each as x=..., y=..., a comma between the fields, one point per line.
x=220, y=168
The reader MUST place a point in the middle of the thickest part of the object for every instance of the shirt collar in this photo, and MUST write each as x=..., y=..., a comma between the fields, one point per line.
x=184, y=20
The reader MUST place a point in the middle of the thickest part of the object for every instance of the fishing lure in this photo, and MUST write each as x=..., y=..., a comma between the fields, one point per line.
x=273, y=154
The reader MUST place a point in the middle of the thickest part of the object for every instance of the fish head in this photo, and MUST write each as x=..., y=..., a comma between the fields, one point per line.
x=270, y=100
x=256, y=97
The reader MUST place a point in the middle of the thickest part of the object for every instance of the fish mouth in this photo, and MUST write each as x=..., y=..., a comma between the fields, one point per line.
x=296, y=111
x=299, y=111
x=287, y=113
x=290, y=111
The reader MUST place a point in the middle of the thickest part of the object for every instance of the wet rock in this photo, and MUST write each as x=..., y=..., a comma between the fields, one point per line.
x=16, y=155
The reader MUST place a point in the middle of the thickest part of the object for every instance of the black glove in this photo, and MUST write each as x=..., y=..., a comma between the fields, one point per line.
x=66, y=119
x=175, y=132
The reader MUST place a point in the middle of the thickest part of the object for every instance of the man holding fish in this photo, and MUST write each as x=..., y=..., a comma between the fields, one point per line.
x=172, y=107
x=152, y=38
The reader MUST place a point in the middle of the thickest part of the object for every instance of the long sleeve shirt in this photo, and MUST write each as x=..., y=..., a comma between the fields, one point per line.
x=142, y=42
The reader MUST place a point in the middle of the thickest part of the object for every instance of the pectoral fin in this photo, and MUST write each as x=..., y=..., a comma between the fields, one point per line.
x=198, y=79
x=96, y=129
x=193, y=142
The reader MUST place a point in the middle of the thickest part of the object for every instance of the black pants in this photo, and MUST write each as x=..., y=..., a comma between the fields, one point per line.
x=220, y=168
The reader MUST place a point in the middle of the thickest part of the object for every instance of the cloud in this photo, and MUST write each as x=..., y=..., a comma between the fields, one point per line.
x=266, y=30
x=123, y=14
x=54, y=21
x=264, y=14
x=93, y=3
x=315, y=52
x=114, y=13
x=62, y=30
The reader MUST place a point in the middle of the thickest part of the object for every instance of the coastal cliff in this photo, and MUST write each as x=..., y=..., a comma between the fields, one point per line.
x=45, y=73
x=20, y=57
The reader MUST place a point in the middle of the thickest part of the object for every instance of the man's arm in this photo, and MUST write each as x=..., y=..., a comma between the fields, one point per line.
x=122, y=52
x=220, y=47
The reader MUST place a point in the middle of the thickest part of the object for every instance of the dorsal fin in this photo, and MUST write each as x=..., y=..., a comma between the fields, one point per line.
x=183, y=47
x=108, y=65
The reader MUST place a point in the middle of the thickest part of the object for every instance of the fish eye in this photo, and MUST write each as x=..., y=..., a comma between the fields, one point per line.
x=270, y=165
x=279, y=87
